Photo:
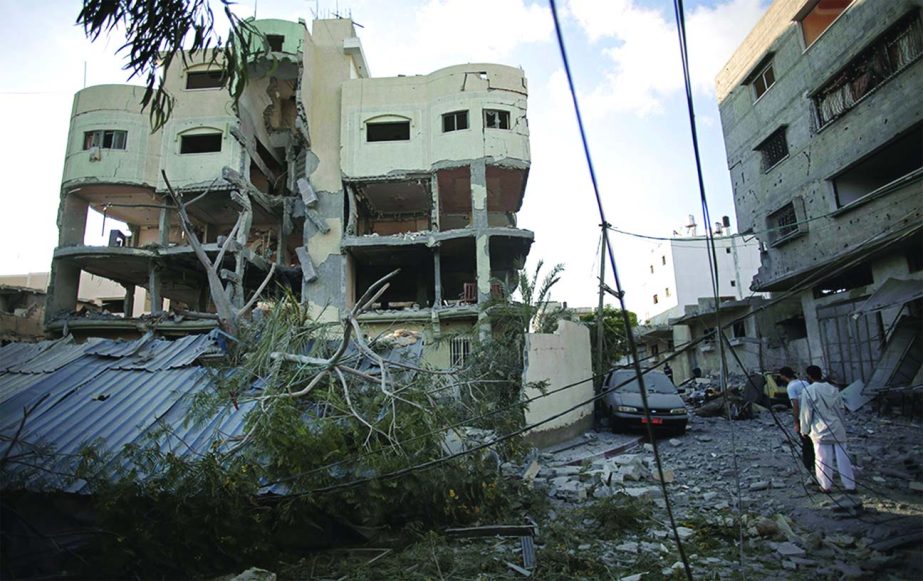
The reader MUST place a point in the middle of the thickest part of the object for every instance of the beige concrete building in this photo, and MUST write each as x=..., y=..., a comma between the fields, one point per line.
x=348, y=177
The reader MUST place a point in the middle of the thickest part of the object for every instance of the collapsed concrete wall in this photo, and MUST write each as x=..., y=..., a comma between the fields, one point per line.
x=561, y=359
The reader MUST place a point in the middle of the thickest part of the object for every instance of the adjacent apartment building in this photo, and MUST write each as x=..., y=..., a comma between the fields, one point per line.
x=344, y=178
x=823, y=126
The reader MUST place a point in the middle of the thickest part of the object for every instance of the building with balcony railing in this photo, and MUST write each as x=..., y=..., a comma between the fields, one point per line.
x=824, y=136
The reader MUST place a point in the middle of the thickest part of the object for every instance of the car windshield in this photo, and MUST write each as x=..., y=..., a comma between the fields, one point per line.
x=655, y=381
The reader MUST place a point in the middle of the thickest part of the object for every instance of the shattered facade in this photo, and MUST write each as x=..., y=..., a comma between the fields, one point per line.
x=824, y=137
x=344, y=179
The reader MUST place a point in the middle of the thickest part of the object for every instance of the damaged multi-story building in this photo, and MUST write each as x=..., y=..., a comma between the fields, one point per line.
x=345, y=178
x=820, y=108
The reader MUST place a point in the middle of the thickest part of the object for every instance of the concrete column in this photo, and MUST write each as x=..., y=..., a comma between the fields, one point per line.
x=63, y=288
x=434, y=191
x=815, y=346
x=164, y=224
x=72, y=220
x=479, y=223
x=437, y=274
x=129, y=305
x=153, y=291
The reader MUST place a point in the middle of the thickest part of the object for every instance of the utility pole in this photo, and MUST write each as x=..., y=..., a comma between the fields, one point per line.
x=600, y=328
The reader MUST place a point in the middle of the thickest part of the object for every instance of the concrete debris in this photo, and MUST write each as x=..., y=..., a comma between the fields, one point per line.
x=788, y=549
x=255, y=574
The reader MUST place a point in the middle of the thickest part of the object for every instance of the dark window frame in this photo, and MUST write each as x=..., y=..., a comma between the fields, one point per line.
x=764, y=80
x=774, y=149
x=105, y=139
x=387, y=131
x=198, y=143
x=455, y=121
x=501, y=119
x=276, y=42
x=205, y=80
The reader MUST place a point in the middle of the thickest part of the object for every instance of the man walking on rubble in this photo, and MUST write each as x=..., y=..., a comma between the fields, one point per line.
x=795, y=389
x=822, y=416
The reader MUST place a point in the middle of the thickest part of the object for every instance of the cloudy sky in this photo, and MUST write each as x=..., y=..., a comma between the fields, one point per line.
x=624, y=56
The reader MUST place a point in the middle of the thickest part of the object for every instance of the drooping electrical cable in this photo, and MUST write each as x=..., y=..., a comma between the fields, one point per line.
x=712, y=261
x=629, y=332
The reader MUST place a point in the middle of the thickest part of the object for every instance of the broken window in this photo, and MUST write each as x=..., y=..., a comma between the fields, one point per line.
x=275, y=42
x=205, y=79
x=455, y=121
x=105, y=139
x=460, y=351
x=764, y=79
x=856, y=277
x=784, y=222
x=389, y=131
x=496, y=119
x=200, y=143
x=900, y=159
x=819, y=18
x=774, y=148
x=886, y=56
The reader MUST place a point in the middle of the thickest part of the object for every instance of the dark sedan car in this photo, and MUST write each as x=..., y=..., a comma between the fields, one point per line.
x=626, y=411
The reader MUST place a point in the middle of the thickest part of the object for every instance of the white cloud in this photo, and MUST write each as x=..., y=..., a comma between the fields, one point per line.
x=447, y=32
x=645, y=64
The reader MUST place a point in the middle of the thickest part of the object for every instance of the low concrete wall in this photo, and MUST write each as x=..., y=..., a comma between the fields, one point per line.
x=560, y=358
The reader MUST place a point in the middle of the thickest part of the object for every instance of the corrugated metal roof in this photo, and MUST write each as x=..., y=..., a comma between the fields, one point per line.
x=19, y=353
x=161, y=354
x=55, y=357
x=109, y=395
x=119, y=347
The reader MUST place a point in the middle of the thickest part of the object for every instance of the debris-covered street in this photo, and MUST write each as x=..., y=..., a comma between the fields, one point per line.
x=606, y=517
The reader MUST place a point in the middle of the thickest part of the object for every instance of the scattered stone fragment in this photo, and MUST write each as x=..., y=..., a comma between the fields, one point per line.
x=584, y=547
x=709, y=496
x=767, y=528
x=788, y=549
x=790, y=565
x=668, y=476
x=674, y=442
x=916, y=486
x=759, y=485
x=255, y=574
x=629, y=547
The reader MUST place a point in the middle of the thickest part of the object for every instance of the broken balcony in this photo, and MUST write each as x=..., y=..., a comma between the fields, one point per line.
x=391, y=208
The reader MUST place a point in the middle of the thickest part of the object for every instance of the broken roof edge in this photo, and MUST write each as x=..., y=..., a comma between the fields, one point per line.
x=432, y=238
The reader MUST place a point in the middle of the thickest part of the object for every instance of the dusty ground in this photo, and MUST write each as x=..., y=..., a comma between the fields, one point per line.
x=604, y=518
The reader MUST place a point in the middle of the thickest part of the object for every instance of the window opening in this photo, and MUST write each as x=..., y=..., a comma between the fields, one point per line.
x=895, y=161
x=727, y=250
x=667, y=291
x=886, y=56
x=733, y=283
x=460, y=351
x=200, y=143
x=652, y=269
x=663, y=260
x=763, y=81
x=773, y=149
x=496, y=119
x=105, y=139
x=204, y=79
x=820, y=17
x=275, y=42
x=784, y=221
x=455, y=121
x=656, y=300
x=740, y=329
x=391, y=131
